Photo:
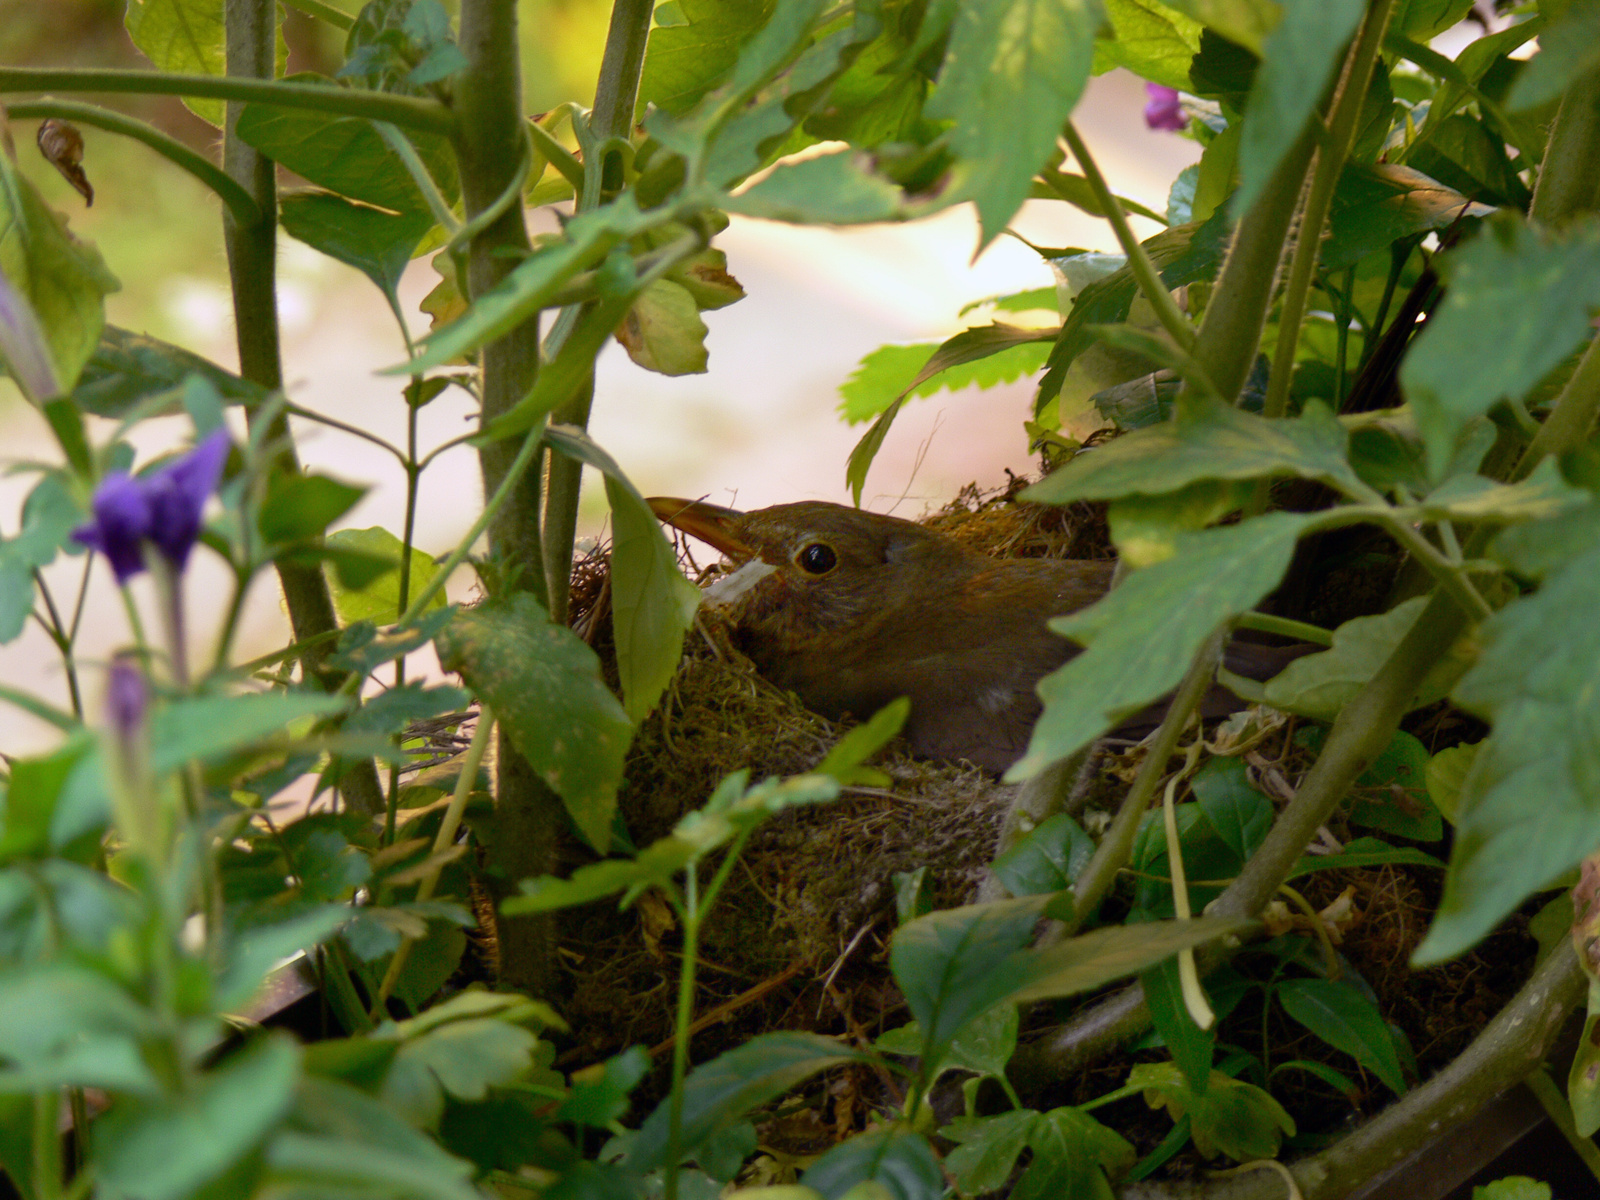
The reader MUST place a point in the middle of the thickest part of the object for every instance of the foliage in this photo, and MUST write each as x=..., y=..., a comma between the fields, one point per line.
x=1400, y=323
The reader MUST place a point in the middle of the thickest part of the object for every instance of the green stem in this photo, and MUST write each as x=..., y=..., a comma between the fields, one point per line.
x=1267, y=623
x=1568, y=425
x=420, y=175
x=1330, y=161
x=240, y=203
x=63, y=641
x=1117, y=843
x=46, y=1144
x=425, y=116
x=252, y=263
x=680, y=1035
x=1568, y=182
x=1559, y=1111
x=1144, y=271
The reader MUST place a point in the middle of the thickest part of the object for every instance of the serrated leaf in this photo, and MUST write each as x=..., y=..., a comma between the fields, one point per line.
x=462, y=1059
x=988, y=1149
x=1072, y=1156
x=1151, y=39
x=1143, y=635
x=1320, y=685
x=687, y=59
x=1376, y=205
x=1535, y=290
x=1528, y=807
x=1012, y=75
x=545, y=686
x=652, y=604
x=1217, y=442
x=1229, y=1117
x=1298, y=60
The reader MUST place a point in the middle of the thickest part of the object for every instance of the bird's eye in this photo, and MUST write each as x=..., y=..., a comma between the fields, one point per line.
x=817, y=558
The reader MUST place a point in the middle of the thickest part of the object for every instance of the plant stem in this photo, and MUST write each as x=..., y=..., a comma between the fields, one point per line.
x=1267, y=623
x=1330, y=158
x=252, y=258
x=425, y=116
x=1144, y=271
x=63, y=641
x=1568, y=183
x=1117, y=843
x=1568, y=425
x=240, y=202
x=491, y=150
x=685, y=1018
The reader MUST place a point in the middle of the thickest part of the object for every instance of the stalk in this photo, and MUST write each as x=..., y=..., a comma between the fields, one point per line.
x=252, y=263
x=490, y=146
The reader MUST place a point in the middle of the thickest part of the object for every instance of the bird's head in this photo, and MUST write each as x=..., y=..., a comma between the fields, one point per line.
x=831, y=564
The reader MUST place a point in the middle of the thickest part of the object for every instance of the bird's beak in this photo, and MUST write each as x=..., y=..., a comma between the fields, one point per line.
x=711, y=523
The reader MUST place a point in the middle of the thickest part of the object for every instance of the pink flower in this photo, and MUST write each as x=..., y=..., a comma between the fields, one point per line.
x=1164, y=110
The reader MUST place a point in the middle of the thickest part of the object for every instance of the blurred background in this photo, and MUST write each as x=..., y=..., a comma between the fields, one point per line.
x=760, y=427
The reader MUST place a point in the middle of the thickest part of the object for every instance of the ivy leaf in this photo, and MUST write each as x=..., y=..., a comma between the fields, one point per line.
x=988, y=1149
x=1048, y=860
x=1012, y=75
x=546, y=689
x=1297, y=61
x=1229, y=1117
x=1142, y=636
x=1072, y=1156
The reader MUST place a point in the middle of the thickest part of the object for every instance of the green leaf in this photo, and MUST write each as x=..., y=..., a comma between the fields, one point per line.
x=844, y=761
x=130, y=369
x=64, y=280
x=300, y=507
x=988, y=1149
x=1376, y=205
x=1230, y=1117
x=1052, y=184
x=1191, y=1047
x=1392, y=794
x=208, y=727
x=258, y=950
x=1446, y=774
x=1298, y=60
x=1102, y=955
x=1427, y=19
x=186, y=36
x=1568, y=49
x=363, y=648
x=1541, y=549
x=1463, y=154
x=1512, y=1187
x=1012, y=75
x=652, y=604
x=1542, y=495
x=1218, y=442
x=462, y=1059
x=720, y=1092
x=379, y=244
x=957, y=964
x=346, y=155
x=545, y=686
x=1239, y=813
x=1152, y=40
x=378, y=600
x=1183, y=254
x=1341, y=1015
x=1246, y=22
x=585, y=242
x=686, y=60
x=392, y=710
x=1528, y=807
x=168, y=1148
x=828, y=189
x=72, y=1026
x=343, y=1142
x=1072, y=1156
x=663, y=331
x=1142, y=636
x=599, y=1097
x=1320, y=685
x=1047, y=860
x=899, y=1161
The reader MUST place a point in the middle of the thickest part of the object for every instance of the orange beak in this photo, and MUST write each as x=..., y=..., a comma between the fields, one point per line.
x=711, y=523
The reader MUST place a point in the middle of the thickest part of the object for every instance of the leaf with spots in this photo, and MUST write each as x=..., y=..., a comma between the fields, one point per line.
x=545, y=687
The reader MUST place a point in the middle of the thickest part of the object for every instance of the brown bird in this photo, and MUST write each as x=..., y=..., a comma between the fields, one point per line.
x=863, y=608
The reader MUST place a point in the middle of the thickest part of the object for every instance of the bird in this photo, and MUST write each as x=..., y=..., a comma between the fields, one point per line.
x=861, y=608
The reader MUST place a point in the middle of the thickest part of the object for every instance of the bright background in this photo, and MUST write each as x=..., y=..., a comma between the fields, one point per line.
x=759, y=427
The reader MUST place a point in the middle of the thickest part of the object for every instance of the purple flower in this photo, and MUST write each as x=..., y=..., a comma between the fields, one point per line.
x=127, y=698
x=163, y=507
x=1164, y=111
